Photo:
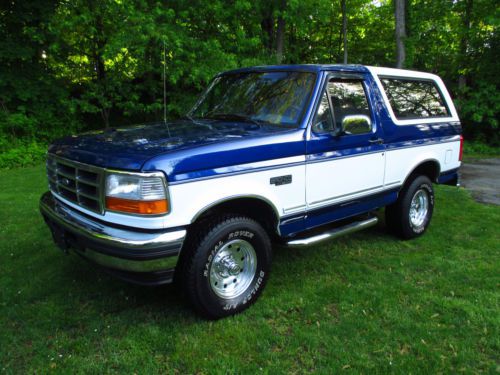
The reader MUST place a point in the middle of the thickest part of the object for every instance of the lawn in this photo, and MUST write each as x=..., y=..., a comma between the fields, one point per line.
x=365, y=303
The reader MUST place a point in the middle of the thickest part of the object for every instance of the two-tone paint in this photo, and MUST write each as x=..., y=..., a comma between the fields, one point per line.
x=209, y=162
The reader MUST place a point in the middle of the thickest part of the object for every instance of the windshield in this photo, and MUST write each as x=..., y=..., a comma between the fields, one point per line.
x=276, y=98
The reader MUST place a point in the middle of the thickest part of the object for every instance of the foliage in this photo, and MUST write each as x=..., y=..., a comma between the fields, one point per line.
x=21, y=155
x=475, y=149
x=366, y=303
x=67, y=66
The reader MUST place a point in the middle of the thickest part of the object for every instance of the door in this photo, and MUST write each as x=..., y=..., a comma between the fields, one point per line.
x=345, y=152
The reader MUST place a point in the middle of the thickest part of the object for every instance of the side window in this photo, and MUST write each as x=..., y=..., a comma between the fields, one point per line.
x=349, y=99
x=323, y=121
x=348, y=105
x=414, y=99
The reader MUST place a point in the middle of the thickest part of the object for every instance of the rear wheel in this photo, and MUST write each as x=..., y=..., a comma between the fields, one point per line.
x=226, y=266
x=410, y=216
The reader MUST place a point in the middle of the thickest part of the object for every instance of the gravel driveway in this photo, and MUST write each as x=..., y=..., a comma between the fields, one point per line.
x=482, y=178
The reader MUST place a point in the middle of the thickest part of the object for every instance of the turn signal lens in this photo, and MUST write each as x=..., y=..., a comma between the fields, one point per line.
x=137, y=207
x=136, y=193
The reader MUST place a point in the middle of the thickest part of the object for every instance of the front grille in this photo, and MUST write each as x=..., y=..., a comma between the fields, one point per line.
x=76, y=182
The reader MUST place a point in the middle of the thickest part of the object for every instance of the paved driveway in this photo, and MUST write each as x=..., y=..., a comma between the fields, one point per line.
x=482, y=178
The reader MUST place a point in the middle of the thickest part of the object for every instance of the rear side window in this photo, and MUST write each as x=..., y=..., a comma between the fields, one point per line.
x=414, y=99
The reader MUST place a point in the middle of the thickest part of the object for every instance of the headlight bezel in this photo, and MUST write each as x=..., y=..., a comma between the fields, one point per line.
x=140, y=176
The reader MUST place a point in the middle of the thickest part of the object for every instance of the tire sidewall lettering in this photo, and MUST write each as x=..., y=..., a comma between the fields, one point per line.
x=259, y=278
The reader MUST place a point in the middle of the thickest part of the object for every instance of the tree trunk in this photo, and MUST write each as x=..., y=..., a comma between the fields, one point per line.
x=344, y=29
x=280, y=33
x=464, y=44
x=267, y=26
x=399, y=14
x=98, y=42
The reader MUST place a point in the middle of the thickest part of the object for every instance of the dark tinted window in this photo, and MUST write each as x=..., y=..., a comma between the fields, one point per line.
x=414, y=99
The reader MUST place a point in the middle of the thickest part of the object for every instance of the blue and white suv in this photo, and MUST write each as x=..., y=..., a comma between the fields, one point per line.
x=290, y=154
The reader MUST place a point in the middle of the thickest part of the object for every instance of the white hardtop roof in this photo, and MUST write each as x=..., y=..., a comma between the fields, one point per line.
x=380, y=71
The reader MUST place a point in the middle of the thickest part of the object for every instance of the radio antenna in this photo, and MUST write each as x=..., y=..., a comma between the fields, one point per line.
x=165, y=86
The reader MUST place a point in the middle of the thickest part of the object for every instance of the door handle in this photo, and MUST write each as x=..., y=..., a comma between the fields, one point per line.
x=377, y=141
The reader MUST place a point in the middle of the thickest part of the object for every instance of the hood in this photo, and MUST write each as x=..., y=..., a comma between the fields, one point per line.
x=162, y=146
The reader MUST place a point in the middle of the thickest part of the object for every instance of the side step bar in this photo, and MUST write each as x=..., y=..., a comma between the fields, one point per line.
x=334, y=233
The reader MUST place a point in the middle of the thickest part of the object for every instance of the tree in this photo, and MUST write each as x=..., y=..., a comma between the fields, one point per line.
x=344, y=29
x=88, y=64
x=400, y=16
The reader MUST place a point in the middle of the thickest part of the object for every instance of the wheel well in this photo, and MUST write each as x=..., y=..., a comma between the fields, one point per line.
x=255, y=208
x=429, y=168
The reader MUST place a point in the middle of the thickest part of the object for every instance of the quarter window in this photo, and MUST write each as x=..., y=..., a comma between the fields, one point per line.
x=323, y=121
x=414, y=99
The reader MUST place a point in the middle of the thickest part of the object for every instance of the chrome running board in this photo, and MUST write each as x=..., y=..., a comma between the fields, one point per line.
x=334, y=233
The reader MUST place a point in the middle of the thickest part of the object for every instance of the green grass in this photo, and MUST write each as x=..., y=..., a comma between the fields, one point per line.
x=366, y=303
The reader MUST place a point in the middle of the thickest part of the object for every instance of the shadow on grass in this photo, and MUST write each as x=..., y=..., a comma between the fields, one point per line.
x=89, y=291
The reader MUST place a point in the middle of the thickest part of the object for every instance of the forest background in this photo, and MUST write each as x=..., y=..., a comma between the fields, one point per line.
x=81, y=65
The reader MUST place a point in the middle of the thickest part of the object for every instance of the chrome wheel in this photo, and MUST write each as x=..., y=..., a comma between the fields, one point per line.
x=233, y=269
x=419, y=208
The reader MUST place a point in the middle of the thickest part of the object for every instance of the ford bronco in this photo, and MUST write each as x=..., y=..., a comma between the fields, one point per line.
x=275, y=154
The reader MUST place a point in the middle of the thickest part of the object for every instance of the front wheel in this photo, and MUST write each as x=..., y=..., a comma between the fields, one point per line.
x=227, y=265
x=410, y=216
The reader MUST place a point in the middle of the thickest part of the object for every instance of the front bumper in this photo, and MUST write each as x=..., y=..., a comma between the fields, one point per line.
x=137, y=255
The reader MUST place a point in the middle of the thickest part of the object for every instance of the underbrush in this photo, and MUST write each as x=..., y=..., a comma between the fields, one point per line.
x=21, y=154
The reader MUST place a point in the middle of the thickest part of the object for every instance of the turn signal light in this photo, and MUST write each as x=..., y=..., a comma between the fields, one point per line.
x=155, y=207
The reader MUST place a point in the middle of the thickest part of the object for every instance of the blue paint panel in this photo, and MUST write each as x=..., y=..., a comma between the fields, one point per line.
x=130, y=148
x=448, y=177
x=339, y=211
x=221, y=158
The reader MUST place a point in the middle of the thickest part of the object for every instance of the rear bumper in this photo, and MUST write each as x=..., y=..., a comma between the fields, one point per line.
x=137, y=255
x=450, y=177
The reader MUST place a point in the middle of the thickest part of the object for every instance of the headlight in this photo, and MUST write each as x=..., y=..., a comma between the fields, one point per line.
x=136, y=193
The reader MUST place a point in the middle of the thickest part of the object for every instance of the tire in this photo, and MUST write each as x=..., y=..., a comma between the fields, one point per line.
x=411, y=214
x=226, y=265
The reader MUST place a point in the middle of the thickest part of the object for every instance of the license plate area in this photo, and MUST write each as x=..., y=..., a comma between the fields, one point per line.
x=63, y=239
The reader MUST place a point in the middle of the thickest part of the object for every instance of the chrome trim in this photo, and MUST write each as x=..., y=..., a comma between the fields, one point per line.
x=55, y=170
x=334, y=233
x=345, y=195
x=128, y=264
x=106, y=235
x=295, y=208
x=419, y=208
x=233, y=269
x=117, y=218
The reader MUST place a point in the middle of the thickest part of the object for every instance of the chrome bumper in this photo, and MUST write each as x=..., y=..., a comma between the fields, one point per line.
x=115, y=248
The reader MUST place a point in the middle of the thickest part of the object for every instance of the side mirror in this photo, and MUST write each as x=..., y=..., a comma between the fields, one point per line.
x=356, y=124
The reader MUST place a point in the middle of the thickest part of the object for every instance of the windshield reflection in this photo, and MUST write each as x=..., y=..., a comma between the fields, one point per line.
x=274, y=98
